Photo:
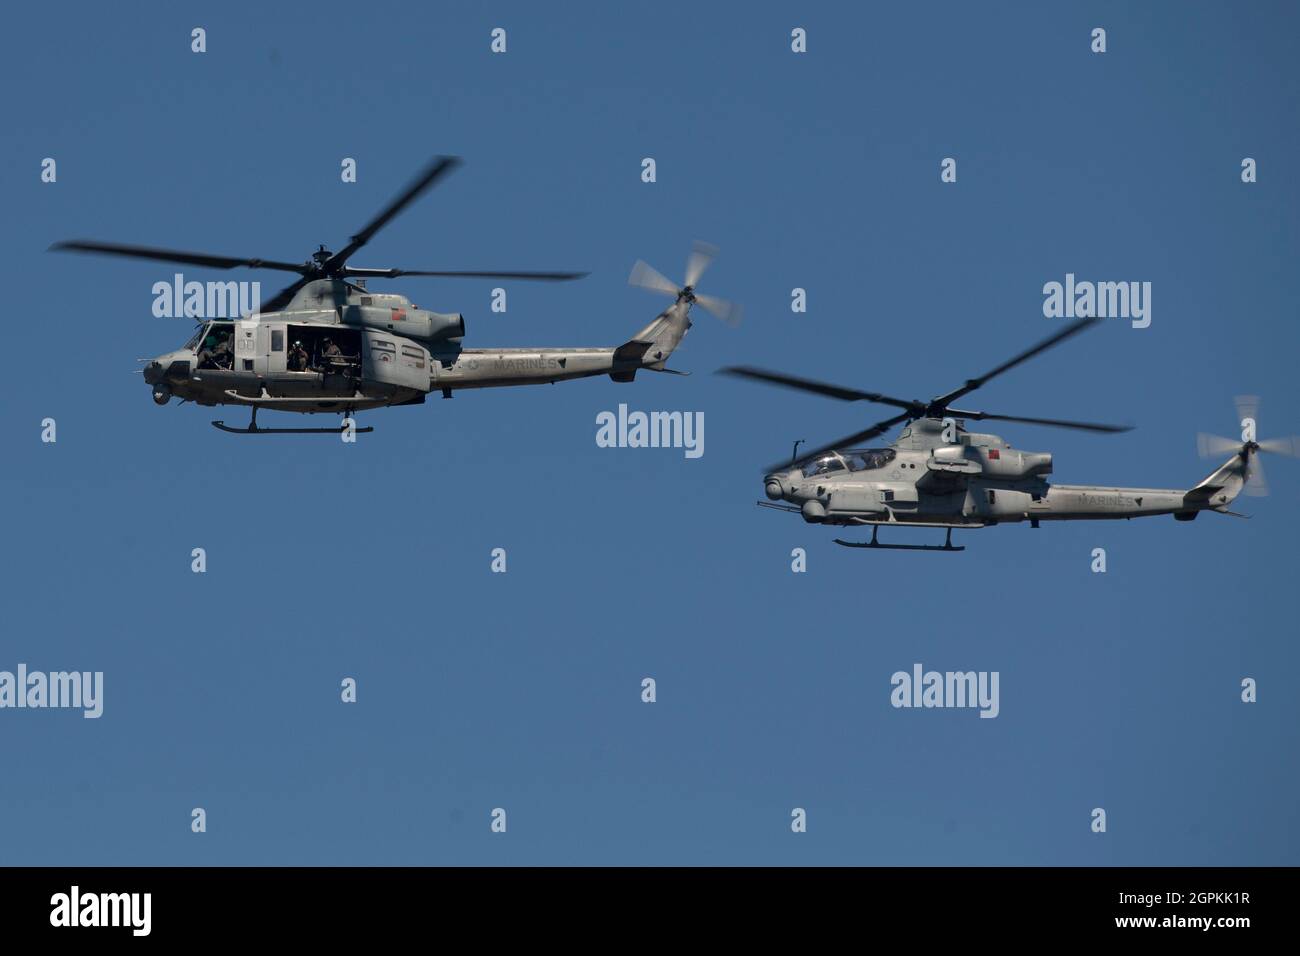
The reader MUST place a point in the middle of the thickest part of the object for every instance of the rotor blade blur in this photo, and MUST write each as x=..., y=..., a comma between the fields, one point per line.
x=1052, y=422
x=1290, y=447
x=728, y=312
x=701, y=255
x=848, y=441
x=439, y=167
x=1215, y=446
x=283, y=297
x=816, y=387
x=156, y=254
x=452, y=274
x=1256, y=484
x=646, y=276
x=1050, y=342
x=1247, y=407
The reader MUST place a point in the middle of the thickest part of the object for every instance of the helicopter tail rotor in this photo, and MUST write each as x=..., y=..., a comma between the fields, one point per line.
x=646, y=276
x=1247, y=448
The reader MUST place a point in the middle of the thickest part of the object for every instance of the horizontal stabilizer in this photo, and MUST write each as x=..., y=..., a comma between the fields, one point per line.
x=631, y=353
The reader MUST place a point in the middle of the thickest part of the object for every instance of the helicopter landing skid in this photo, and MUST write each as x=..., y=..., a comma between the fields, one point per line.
x=252, y=429
x=873, y=543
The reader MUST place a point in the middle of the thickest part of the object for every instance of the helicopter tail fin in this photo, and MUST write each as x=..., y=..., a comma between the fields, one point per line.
x=1218, y=489
x=627, y=359
x=651, y=347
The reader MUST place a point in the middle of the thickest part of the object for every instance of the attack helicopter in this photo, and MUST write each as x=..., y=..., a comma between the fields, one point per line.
x=938, y=474
x=328, y=344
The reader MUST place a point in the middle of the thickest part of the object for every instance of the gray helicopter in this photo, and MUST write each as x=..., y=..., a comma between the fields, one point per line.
x=937, y=474
x=327, y=344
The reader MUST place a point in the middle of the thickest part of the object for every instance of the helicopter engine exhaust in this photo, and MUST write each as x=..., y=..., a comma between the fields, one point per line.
x=1010, y=463
x=394, y=313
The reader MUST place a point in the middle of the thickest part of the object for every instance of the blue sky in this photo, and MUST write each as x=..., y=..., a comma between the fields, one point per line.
x=522, y=690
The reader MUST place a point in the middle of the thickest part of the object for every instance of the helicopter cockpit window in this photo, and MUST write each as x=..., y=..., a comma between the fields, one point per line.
x=870, y=459
x=822, y=466
x=217, y=347
x=195, y=338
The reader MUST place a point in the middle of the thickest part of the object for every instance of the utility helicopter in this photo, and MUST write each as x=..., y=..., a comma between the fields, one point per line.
x=937, y=474
x=327, y=344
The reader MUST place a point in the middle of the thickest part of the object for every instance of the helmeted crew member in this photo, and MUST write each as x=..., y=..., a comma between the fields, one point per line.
x=221, y=356
x=297, y=358
x=329, y=353
x=214, y=348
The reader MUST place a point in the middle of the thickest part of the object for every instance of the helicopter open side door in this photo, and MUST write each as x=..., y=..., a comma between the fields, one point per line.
x=393, y=360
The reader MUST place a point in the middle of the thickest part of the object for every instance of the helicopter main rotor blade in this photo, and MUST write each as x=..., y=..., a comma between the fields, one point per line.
x=1054, y=422
x=173, y=255
x=848, y=441
x=284, y=296
x=819, y=388
x=436, y=169
x=395, y=273
x=1050, y=342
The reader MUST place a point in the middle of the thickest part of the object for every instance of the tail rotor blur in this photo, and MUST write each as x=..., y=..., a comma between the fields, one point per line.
x=1215, y=446
x=646, y=276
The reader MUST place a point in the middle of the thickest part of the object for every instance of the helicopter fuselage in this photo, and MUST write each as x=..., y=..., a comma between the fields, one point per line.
x=371, y=350
x=970, y=481
x=328, y=344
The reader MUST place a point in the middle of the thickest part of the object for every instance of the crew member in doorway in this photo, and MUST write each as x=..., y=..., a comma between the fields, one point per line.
x=330, y=352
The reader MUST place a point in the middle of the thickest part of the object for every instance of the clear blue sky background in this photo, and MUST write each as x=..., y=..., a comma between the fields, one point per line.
x=523, y=690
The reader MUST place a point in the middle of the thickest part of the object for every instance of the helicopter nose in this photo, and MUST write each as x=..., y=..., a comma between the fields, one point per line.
x=773, y=488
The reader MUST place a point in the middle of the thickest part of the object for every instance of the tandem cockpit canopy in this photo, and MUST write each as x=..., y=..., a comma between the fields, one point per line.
x=866, y=459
